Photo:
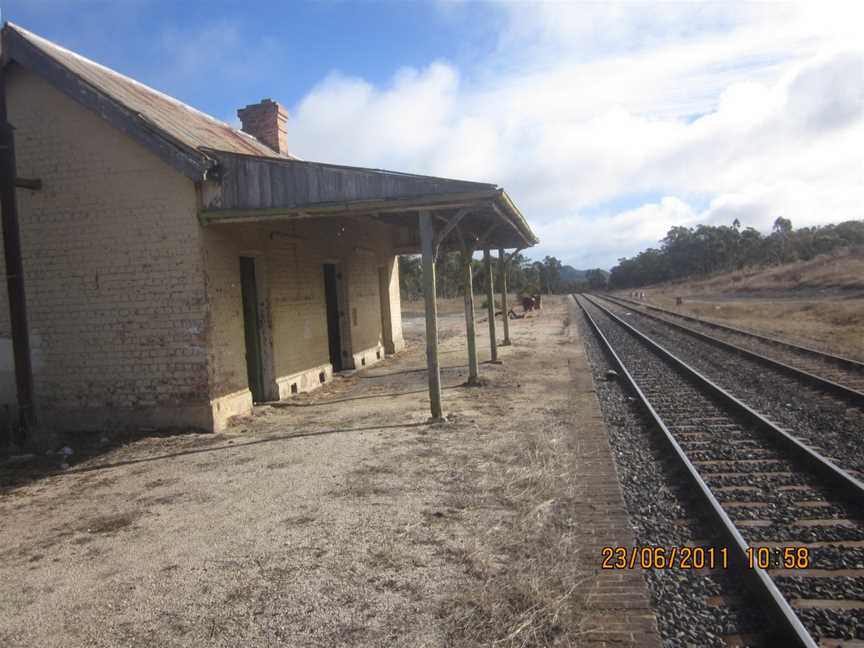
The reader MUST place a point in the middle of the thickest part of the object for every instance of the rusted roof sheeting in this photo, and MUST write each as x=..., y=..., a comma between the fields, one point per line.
x=186, y=126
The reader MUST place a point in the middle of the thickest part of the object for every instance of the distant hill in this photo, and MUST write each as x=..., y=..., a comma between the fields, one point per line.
x=569, y=273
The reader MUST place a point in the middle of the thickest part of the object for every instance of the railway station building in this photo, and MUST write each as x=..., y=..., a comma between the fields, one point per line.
x=175, y=269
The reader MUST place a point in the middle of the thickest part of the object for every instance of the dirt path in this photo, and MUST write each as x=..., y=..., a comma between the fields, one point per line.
x=342, y=519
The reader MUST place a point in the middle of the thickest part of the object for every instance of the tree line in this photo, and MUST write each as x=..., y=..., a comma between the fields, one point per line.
x=703, y=249
x=524, y=276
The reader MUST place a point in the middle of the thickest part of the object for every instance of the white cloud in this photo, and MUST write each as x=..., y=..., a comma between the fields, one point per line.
x=757, y=110
x=221, y=51
x=347, y=120
x=581, y=240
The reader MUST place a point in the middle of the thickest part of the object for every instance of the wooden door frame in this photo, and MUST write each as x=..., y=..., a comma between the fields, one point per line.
x=343, y=314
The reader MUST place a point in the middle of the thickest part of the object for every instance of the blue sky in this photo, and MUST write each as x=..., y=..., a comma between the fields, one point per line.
x=607, y=123
x=279, y=50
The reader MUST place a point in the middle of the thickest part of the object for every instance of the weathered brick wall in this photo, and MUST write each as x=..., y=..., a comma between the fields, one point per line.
x=113, y=269
x=365, y=302
x=296, y=254
x=292, y=303
x=392, y=264
x=292, y=312
x=226, y=349
x=135, y=310
x=299, y=306
x=299, y=309
x=366, y=248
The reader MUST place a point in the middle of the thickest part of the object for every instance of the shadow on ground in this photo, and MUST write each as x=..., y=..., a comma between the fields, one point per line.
x=20, y=466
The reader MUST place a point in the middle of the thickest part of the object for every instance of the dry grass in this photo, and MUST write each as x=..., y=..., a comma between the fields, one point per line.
x=842, y=270
x=818, y=303
x=831, y=325
x=525, y=583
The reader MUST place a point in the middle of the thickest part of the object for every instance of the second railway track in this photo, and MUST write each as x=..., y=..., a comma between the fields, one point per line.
x=820, y=417
x=763, y=490
x=846, y=373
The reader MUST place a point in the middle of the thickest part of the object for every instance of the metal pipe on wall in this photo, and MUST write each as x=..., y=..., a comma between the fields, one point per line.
x=14, y=265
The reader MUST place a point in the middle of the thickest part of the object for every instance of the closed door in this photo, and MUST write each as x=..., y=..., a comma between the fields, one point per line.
x=251, y=328
x=334, y=332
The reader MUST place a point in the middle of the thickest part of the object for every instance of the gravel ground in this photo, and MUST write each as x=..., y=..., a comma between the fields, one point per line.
x=340, y=519
x=683, y=408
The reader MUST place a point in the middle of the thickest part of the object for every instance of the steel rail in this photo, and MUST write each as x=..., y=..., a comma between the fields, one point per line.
x=849, y=363
x=830, y=386
x=787, y=625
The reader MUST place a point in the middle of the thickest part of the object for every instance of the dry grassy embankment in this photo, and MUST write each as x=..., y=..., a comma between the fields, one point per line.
x=818, y=303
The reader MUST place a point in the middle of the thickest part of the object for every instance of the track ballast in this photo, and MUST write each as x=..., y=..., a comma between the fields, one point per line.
x=762, y=488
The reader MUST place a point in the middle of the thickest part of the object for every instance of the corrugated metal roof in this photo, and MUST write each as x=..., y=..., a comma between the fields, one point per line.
x=192, y=127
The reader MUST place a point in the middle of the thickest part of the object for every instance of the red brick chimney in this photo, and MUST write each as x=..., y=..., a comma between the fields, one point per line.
x=266, y=121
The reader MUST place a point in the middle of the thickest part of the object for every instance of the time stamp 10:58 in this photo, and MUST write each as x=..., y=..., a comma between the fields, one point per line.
x=687, y=557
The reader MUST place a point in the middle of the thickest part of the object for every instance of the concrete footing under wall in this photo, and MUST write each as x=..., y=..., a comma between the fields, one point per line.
x=304, y=381
x=213, y=416
x=314, y=377
x=368, y=356
x=226, y=407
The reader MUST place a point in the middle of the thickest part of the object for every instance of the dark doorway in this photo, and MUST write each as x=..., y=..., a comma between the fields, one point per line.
x=249, y=291
x=334, y=334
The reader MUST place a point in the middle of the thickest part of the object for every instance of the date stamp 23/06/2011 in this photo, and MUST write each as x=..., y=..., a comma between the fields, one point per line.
x=697, y=557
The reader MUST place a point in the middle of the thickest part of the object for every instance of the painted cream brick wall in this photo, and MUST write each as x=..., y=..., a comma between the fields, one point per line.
x=299, y=311
x=365, y=306
x=226, y=351
x=296, y=254
x=392, y=265
x=291, y=298
x=113, y=270
x=292, y=310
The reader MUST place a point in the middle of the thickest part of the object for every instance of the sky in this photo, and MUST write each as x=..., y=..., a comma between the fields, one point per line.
x=607, y=123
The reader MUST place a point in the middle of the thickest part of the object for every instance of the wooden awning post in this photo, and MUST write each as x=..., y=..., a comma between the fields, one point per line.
x=503, y=262
x=427, y=245
x=470, y=332
x=490, y=302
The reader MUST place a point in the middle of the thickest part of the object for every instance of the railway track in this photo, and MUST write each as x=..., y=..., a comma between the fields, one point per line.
x=825, y=416
x=822, y=367
x=763, y=491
